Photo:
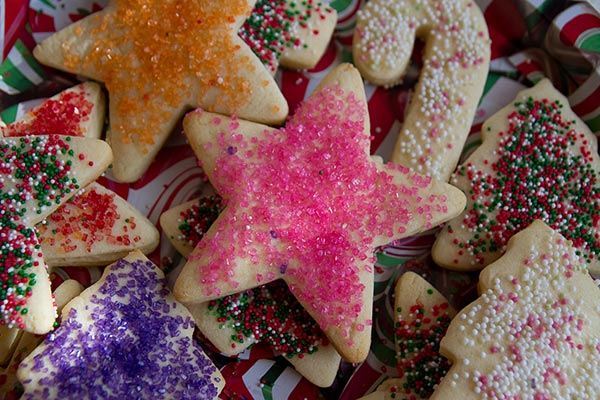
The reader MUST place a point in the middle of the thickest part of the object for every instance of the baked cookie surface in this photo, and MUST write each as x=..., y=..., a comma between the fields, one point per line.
x=307, y=204
x=158, y=59
x=538, y=160
x=125, y=336
x=533, y=332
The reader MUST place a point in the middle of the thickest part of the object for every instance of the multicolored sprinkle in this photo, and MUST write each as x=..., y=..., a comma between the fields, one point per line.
x=35, y=175
x=269, y=313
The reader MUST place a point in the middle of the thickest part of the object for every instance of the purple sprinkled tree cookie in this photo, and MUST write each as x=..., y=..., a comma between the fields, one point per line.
x=124, y=337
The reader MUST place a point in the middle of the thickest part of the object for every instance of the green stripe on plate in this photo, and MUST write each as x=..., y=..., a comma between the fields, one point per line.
x=269, y=379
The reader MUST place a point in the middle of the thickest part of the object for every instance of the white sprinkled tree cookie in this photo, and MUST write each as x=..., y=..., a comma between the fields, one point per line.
x=307, y=204
x=127, y=338
x=422, y=318
x=533, y=332
x=538, y=160
x=37, y=175
x=455, y=66
x=159, y=59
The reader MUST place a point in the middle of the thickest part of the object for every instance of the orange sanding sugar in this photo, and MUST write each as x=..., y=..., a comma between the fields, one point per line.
x=156, y=56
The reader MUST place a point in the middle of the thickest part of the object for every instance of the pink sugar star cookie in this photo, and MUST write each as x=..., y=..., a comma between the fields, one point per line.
x=307, y=204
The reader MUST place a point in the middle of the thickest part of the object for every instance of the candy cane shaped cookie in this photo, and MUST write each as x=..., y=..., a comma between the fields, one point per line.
x=455, y=65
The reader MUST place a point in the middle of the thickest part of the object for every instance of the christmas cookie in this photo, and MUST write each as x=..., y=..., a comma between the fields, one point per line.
x=38, y=174
x=125, y=336
x=269, y=313
x=538, y=160
x=95, y=227
x=77, y=111
x=290, y=33
x=27, y=342
x=455, y=65
x=185, y=224
x=159, y=59
x=307, y=204
x=533, y=332
x=422, y=318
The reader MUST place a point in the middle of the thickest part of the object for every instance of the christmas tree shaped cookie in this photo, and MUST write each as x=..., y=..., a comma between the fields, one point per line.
x=307, y=204
x=538, y=160
x=128, y=337
x=158, y=59
x=533, y=332
x=38, y=174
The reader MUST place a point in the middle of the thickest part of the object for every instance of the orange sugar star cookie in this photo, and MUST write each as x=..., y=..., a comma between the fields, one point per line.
x=160, y=58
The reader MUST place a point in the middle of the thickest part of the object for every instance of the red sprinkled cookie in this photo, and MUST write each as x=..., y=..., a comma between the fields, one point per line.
x=159, y=59
x=307, y=204
x=533, y=332
x=77, y=111
x=538, y=160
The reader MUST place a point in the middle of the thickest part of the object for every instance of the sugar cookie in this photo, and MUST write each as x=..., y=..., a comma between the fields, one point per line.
x=308, y=205
x=159, y=59
x=27, y=342
x=290, y=33
x=77, y=111
x=538, y=160
x=533, y=332
x=38, y=174
x=455, y=67
x=269, y=313
x=95, y=227
x=422, y=318
x=128, y=337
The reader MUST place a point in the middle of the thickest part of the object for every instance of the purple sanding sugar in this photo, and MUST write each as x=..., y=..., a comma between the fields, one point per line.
x=132, y=348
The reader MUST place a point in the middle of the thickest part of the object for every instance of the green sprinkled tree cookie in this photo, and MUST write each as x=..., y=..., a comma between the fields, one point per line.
x=538, y=160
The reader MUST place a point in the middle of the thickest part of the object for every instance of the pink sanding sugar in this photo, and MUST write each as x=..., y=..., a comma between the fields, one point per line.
x=309, y=197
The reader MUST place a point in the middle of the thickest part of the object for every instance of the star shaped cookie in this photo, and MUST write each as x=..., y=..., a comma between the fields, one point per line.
x=37, y=175
x=160, y=58
x=267, y=313
x=128, y=337
x=533, y=332
x=538, y=160
x=307, y=204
